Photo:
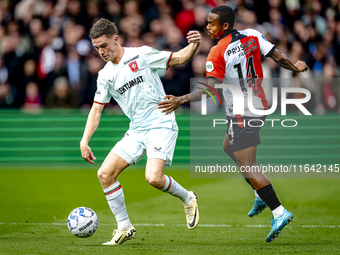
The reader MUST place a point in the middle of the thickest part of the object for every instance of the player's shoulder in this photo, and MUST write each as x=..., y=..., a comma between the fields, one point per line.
x=129, y=51
x=105, y=71
x=145, y=47
x=148, y=50
x=251, y=32
x=220, y=47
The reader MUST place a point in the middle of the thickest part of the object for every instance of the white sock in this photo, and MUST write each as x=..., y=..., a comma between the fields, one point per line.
x=278, y=211
x=256, y=195
x=174, y=189
x=115, y=198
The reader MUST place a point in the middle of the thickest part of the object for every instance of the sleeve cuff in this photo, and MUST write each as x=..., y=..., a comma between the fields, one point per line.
x=100, y=103
x=167, y=65
x=270, y=52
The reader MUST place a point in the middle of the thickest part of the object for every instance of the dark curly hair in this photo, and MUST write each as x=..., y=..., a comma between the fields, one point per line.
x=225, y=15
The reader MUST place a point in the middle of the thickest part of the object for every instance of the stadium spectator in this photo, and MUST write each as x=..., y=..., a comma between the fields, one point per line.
x=61, y=95
x=95, y=64
x=59, y=69
x=32, y=102
x=3, y=71
x=29, y=75
x=8, y=95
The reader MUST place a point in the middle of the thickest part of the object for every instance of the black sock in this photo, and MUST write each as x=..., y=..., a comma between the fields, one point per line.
x=267, y=194
x=249, y=183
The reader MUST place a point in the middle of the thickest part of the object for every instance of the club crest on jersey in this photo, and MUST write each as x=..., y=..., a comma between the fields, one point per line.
x=133, y=66
x=209, y=66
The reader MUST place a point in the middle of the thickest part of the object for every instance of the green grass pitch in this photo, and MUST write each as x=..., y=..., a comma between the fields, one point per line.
x=35, y=205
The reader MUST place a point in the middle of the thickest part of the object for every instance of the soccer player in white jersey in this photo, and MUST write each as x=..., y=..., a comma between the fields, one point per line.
x=130, y=77
x=236, y=60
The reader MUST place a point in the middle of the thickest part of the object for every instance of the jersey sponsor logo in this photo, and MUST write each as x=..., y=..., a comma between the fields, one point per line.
x=158, y=149
x=248, y=51
x=131, y=59
x=242, y=47
x=130, y=84
x=209, y=66
x=98, y=92
x=133, y=66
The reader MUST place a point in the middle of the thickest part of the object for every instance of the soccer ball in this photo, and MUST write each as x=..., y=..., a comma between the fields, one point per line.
x=82, y=222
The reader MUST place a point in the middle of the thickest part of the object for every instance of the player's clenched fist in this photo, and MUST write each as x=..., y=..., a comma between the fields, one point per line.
x=194, y=37
x=301, y=65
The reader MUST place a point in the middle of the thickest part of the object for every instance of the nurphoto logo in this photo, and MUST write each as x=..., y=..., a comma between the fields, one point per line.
x=238, y=100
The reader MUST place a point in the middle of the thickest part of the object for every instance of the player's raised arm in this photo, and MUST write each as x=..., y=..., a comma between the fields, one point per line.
x=173, y=102
x=186, y=54
x=91, y=126
x=282, y=60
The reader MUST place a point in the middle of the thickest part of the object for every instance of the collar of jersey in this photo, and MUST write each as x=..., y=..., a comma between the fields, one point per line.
x=120, y=59
x=234, y=31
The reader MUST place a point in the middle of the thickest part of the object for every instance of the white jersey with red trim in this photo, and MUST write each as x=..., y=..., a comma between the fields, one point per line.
x=136, y=86
x=236, y=60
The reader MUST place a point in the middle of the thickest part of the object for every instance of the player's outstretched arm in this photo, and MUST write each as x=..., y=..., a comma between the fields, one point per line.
x=91, y=126
x=172, y=102
x=282, y=60
x=186, y=54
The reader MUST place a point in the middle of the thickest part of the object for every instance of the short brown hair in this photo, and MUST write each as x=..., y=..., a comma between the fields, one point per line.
x=103, y=27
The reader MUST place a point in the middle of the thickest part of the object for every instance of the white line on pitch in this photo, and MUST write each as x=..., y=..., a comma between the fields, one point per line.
x=177, y=225
x=149, y=225
x=64, y=224
x=208, y=225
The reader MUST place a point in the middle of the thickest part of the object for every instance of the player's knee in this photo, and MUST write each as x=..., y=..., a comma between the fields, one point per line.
x=101, y=174
x=154, y=180
x=104, y=175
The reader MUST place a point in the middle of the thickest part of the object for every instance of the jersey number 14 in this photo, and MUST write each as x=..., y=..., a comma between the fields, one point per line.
x=252, y=78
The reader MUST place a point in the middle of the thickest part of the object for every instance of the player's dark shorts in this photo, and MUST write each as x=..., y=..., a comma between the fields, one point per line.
x=244, y=132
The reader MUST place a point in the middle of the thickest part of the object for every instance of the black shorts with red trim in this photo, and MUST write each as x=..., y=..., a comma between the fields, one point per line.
x=244, y=132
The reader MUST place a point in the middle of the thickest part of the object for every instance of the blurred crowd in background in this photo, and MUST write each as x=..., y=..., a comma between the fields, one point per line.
x=47, y=59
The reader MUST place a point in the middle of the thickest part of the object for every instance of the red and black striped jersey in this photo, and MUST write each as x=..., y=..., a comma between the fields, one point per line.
x=236, y=60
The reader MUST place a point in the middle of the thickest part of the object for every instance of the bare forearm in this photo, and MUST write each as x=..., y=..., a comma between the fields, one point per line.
x=91, y=125
x=188, y=52
x=192, y=97
x=172, y=103
x=196, y=95
x=184, y=55
x=282, y=60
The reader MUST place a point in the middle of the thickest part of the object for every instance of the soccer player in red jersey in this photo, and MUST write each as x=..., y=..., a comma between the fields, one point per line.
x=236, y=60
